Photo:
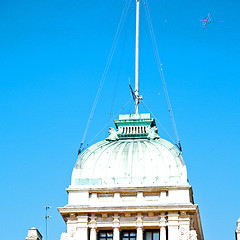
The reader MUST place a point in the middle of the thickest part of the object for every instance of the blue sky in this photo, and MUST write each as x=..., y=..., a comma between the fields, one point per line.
x=53, y=54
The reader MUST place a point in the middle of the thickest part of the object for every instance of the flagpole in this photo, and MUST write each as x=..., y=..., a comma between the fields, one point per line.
x=137, y=59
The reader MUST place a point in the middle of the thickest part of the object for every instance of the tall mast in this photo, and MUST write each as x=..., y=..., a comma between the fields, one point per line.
x=137, y=58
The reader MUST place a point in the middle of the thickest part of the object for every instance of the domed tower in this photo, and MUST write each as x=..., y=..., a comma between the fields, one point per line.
x=132, y=185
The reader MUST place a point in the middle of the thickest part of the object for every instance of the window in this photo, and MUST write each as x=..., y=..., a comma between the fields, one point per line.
x=105, y=235
x=151, y=235
x=128, y=235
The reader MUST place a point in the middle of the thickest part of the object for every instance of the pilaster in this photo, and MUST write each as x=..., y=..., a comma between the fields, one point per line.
x=82, y=227
x=116, y=226
x=93, y=228
x=184, y=226
x=162, y=224
x=139, y=224
x=173, y=226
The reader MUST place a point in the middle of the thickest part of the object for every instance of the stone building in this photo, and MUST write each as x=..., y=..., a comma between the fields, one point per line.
x=33, y=234
x=238, y=230
x=131, y=186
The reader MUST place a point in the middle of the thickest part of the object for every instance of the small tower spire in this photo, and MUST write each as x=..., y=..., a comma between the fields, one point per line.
x=137, y=58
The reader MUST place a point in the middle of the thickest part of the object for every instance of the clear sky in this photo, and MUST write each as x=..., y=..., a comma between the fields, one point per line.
x=52, y=56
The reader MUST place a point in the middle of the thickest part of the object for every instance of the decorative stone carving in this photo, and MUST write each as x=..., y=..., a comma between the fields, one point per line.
x=72, y=215
x=150, y=214
x=104, y=215
x=64, y=236
x=112, y=135
x=192, y=235
x=71, y=235
x=153, y=133
x=183, y=234
x=93, y=222
x=162, y=221
x=139, y=221
x=183, y=214
x=116, y=221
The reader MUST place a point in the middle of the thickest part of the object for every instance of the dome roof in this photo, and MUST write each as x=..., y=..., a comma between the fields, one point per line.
x=134, y=155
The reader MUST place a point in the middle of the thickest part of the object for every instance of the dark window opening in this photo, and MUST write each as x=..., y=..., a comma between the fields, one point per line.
x=105, y=235
x=151, y=235
x=128, y=235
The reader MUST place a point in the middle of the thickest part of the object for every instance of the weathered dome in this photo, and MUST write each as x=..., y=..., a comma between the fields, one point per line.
x=134, y=155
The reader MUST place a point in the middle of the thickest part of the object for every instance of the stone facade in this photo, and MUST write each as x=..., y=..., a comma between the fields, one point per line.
x=170, y=211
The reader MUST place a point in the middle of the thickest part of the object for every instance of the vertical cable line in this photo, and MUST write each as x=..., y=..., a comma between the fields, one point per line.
x=119, y=71
x=161, y=73
x=157, y=120
x=110, y=121
x=107, y=124
x=119, y=29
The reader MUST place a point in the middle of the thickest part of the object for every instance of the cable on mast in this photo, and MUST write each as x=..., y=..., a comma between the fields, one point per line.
x=106, y=125
x=119, y=29
x=119, y=69
x=161, y=74
x=157, y=120
x=109, y=121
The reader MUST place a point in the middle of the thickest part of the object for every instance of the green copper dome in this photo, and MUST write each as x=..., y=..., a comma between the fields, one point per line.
x=134, y=155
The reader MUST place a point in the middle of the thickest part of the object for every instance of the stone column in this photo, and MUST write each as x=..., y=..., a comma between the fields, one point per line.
x=139, y=224
x=116, y=234
x=82, y=228
x=116, y=226
x=162, y=224
x=93, y=234
x=173, y=226
x=139, y=233
x=93, y=227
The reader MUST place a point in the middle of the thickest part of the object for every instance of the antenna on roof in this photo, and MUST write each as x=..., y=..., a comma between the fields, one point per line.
x=47, y=219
